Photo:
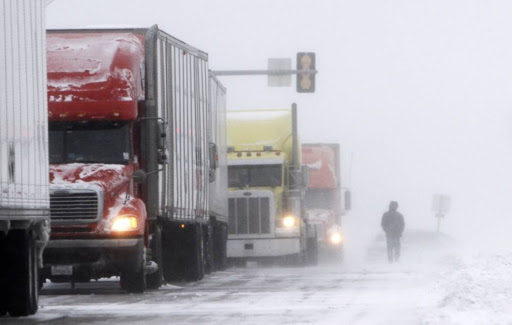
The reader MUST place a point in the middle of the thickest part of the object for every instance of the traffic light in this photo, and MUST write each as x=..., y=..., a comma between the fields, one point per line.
x=306, y=81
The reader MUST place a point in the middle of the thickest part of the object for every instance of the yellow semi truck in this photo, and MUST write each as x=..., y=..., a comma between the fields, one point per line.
x=267, y=182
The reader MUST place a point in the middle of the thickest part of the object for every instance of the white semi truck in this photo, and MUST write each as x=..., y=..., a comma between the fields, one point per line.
x=24, y=189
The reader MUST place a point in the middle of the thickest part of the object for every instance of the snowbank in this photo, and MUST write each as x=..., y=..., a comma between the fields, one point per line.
x=478, y=291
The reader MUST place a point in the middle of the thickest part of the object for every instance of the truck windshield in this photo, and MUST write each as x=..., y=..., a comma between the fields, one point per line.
x=89, y=142
x=255, y=175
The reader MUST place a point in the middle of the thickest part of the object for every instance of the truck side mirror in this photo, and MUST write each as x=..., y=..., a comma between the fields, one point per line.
x=212, y=152
x=139, y=176
x=348, y=200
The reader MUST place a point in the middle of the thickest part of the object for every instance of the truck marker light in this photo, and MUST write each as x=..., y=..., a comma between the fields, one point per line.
x=80, y=114
x=289, y=221
x=116, y=114
x=182, y=225
x=63, y=114
x=124, y=223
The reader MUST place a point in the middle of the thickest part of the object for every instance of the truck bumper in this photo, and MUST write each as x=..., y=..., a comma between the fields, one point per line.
x=92, y=258
x=263, y=247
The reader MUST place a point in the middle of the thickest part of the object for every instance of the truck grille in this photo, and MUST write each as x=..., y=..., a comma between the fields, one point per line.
x=249, y=216
x=71, y=205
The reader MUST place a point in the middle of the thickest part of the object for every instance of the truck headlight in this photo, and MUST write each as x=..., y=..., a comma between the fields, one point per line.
x=289, y=221
x=335, y=238
x=125, y=223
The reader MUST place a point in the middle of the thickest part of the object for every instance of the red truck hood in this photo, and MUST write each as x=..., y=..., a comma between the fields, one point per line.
x=106, y=176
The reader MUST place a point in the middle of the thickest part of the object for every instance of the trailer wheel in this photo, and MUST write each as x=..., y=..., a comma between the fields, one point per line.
x=22, y=274
x=208, y=242
x=154, y=280
x=3, y=275
x=220, y=236
x=195, y=257
x=174, y=251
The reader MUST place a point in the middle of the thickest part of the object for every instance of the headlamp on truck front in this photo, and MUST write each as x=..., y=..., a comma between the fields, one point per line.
x=125, y=223
x=289, y=221
x=335, y=238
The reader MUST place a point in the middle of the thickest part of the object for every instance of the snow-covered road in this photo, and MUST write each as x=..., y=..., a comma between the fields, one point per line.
x=453, y=291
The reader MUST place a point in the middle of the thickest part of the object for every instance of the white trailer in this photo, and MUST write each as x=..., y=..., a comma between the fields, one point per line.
x=24, y=193
x=218, y=174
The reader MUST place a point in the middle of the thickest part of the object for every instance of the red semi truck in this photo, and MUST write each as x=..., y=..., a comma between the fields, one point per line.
x=133, y=159
x=326, y=200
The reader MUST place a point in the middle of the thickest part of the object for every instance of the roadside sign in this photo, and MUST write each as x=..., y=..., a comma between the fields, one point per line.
x=441, y=204
x=279, y=80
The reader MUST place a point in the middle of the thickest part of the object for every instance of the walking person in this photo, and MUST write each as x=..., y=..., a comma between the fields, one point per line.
x=393, y=225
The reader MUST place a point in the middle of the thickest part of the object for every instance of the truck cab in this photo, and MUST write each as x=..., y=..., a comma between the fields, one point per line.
x=266, y=186
x=98, y=216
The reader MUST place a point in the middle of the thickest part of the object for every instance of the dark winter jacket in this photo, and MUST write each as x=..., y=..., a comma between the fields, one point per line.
x=393, y=223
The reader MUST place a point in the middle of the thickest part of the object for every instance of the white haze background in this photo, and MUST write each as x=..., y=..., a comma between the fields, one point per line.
x=416, y=92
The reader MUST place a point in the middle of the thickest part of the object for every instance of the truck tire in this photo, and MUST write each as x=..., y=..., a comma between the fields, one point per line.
x=22, y=287
x=3, y=275
x=173, y=252
x=155, y=280
x=220, y=236
x=312, y=251
x=208, y=249
x=182, y=252
x=134, y=281
x=195, y=260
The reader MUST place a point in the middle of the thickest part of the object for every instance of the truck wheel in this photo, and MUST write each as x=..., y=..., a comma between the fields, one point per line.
x=134, y=281
x=3, y=275
x=22, y=274
x=312, y=251
x=195, y=258
x=208, y=248
x=173, y=252
x=220, y=246
x=154, y=280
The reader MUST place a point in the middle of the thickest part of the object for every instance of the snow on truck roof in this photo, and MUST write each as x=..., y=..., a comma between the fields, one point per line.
x=93, y=66
x=81, y=58
x=253, y=129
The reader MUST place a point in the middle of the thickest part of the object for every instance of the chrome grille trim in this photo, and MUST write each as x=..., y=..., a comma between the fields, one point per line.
x=251, y=213
x=76, y=204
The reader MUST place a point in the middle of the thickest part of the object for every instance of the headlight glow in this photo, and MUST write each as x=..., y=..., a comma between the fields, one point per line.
x=335, y=238
x=125, y=223
x=289, y=221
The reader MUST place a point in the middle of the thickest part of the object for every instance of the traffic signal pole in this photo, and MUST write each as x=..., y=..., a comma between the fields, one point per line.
x=279, y=69
x=262, y=72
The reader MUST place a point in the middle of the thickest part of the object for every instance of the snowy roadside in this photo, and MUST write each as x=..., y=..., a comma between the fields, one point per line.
x=478, y=290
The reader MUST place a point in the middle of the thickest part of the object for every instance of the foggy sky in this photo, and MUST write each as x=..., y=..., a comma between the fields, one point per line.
x=416, y=92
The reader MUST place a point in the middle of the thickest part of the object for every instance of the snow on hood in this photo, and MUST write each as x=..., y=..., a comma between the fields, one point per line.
x=106, y=176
